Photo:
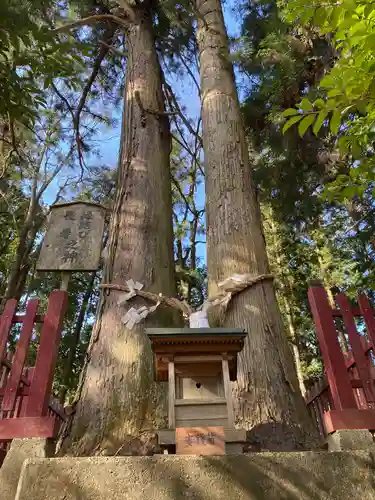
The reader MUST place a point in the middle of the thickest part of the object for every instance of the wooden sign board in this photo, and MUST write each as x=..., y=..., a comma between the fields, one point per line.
x=200, y=441
x=73, y=240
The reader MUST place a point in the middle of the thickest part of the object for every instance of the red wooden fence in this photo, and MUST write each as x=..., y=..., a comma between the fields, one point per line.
x=345, y=397
x=26, y=408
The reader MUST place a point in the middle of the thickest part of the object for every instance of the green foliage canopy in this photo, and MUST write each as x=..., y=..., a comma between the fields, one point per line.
x=30, y=56
x=349, y=86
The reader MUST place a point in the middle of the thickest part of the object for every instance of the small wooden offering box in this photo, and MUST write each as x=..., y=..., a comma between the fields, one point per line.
x=198, y=365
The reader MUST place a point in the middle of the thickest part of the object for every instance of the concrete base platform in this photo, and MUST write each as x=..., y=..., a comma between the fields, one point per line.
x=345, y=440
x=259, y=476
x=20, y=450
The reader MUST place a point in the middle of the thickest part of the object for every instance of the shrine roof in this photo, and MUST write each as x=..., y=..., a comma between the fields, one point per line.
x=195, y=342
x=195, y=332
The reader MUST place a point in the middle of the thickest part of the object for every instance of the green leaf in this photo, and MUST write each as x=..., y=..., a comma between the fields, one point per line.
x=335, y=18
x=305, y=124
x=356, y=150
x=343, y=144
x=319, y=121
x=333, y=93
x=319, y=103
x=335, y=122
x=307, y=14
x=354, y=172
x=331, y=104
x=362, y=106
x=321, y=15
x=290, y=112
x=291, y=122
x=305, y=105
x=327, y=82
x=349, y=192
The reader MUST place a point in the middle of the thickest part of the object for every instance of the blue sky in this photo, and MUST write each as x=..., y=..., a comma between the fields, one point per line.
x=108, y=139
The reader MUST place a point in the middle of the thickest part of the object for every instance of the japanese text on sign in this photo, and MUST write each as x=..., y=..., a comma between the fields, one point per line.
x=200, y=438
x=71, y=246
x=200, y=441
x=71, y=240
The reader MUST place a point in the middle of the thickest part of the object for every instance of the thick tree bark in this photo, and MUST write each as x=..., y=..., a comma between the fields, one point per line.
x=267, y=398
x=118, y=401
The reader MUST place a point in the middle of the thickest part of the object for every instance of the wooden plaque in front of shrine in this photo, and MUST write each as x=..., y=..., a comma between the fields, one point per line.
x=73, y=240
x=200, y=441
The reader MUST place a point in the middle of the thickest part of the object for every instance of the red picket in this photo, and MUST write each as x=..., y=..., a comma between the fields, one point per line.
x=368, y=316
x=20, y=356
x=361, y=360
x=26, y=427
x=28, y=376
x=356, y=380
x=41, y=384
x=25, y=405
x=6, y=320
x=334, y=363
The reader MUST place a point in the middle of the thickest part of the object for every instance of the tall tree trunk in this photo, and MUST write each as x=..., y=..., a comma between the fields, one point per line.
x=267, y=398
x=27, y=235
x=15, y=274
x=118, y=400
x=293, y=340
x=285, y=292
x=75, y=337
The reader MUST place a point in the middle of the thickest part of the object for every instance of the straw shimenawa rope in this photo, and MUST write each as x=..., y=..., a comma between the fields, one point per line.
x=229, y=288
x=169, y=301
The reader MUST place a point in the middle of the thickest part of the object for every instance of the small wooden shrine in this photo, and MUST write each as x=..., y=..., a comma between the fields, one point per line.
x=198, y=364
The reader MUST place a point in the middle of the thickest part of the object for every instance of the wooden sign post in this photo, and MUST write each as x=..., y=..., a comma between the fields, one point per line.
x=73, y=240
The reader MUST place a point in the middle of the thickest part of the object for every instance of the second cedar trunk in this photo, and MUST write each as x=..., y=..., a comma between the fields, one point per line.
x=267, y=398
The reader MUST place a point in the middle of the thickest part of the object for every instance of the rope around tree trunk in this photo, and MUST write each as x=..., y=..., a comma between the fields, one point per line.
x=169, y=301
x=230, y=287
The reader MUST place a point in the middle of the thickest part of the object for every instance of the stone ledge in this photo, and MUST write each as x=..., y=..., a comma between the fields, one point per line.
x=345, y=440
x=258, y=476
x=20, y=450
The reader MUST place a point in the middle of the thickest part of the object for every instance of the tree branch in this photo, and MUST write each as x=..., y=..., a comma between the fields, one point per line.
x=76, y=115
x=64, y=99
x=86, y=21
x=113, y=49
x=172, y=100
x=127, y=8
x=151, y=111
x=177, y=185
x=187, y=148
x=186, y=66
x=103, y=51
